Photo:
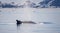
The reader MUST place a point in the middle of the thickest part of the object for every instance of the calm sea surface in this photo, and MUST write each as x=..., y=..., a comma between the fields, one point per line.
x=29, y=28
x=9, y=15
x=8, y=18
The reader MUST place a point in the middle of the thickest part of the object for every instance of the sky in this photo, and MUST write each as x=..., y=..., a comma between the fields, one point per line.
x=18, y=1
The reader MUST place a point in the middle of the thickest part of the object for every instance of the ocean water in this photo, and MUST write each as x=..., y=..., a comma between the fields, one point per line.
x=29, y=28
x=8, y=17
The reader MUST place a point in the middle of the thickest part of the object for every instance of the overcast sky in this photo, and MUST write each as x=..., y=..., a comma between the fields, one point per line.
x=18, y=1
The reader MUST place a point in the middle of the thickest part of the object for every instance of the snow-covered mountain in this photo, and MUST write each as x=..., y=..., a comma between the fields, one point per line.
x=28, y=3
x=56, y=3
x=49, y=3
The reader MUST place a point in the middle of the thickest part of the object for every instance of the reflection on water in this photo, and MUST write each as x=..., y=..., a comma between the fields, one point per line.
x=29, y=28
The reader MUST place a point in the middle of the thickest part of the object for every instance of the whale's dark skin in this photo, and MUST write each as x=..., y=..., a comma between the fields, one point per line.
x=20, y=22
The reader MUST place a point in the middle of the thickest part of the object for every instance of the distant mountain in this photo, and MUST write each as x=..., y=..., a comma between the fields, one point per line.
x=29, y=4
x=45, y=2
x=7, y=6
x=49, y=3
x=42, y=4
x=56, y=3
